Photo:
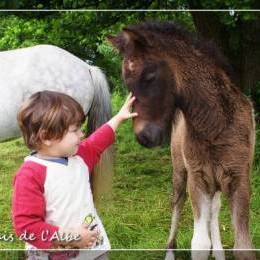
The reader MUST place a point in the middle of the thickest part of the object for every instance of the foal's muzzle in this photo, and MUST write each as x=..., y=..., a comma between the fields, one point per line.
x=150, y=136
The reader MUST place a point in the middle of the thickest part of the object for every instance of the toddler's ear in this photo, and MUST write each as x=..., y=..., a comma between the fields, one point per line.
x=47, y=142
x=43, y=139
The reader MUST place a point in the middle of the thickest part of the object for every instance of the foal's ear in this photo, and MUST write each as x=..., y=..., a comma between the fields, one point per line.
x=128, y=39
x=114, y=40
x=133, y=37
x=118, y=42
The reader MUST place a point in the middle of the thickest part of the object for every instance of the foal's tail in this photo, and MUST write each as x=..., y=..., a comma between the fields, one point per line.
x=99, y=113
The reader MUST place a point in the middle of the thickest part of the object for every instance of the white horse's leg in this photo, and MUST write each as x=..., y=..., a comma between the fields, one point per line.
x=201, y=242
x=217, y=248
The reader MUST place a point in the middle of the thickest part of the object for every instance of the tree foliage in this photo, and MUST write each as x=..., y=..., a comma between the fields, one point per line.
x=84, y=33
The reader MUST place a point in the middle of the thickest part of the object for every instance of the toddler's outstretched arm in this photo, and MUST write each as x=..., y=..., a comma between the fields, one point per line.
x=123, y=114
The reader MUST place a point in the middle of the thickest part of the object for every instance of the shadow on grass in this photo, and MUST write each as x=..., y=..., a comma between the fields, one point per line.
x=125, y=255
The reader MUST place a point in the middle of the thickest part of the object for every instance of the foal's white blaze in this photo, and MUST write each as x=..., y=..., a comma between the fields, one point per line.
x=201, y=243
x=214, y=228
x=131, y=66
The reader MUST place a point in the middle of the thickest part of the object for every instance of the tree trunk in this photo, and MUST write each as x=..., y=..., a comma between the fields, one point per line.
x=244, y=57
x=250, y=66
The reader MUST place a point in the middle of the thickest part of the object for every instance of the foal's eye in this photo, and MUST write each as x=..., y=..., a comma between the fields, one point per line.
x=150, y=76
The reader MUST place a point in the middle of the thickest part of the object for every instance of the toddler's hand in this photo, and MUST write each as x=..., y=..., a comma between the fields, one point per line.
x=125, y=111
x=83, y=238
x=87, y=237
x=123, y=114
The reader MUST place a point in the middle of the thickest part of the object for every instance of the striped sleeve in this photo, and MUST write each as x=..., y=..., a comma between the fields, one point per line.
x=92, y=147
x=28, y=205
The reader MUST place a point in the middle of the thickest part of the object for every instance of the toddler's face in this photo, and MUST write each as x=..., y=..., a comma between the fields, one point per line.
x=69, y=143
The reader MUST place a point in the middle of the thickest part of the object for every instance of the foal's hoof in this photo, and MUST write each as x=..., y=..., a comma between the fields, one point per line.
x=169, y=252
x=169, y=255
x=245, y=255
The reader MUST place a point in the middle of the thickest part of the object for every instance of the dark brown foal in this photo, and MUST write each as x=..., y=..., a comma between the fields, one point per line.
x=185, y=86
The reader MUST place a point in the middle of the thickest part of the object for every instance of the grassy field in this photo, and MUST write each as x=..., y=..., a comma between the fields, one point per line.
x=138, y=216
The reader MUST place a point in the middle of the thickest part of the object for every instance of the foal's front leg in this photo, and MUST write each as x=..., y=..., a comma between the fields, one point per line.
x=201, y=206
x=179, y=187
x=179, y=197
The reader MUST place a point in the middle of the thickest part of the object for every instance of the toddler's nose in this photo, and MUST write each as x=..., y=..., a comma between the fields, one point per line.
x=81, y=135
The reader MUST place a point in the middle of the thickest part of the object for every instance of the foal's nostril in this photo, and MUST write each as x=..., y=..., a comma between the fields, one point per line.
x=151, y=136
x=143, y=140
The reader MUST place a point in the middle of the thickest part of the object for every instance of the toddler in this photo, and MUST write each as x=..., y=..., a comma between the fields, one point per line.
x=52, y=204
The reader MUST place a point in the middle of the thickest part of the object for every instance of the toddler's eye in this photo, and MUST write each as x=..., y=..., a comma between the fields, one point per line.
x=74, y=129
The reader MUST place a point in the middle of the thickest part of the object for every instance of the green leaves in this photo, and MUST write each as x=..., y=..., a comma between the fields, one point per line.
x=81, y=33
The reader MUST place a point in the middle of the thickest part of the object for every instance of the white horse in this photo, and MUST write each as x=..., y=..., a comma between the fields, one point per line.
x=46, y=67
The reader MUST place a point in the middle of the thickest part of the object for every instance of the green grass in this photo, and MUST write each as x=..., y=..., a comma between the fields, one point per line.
x=138, y=216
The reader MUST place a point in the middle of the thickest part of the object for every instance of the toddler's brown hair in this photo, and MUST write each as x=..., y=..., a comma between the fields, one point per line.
x=47, y=115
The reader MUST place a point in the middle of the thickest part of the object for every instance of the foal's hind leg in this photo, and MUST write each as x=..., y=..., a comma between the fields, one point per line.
x=239, y=197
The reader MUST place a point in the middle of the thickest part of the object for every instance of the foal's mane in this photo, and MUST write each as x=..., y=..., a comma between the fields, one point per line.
x=165, y=34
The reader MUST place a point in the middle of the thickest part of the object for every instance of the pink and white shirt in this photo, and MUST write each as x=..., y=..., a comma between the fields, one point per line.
x=49, y=195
